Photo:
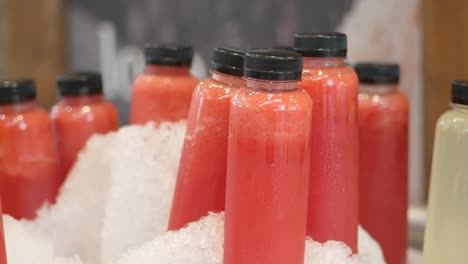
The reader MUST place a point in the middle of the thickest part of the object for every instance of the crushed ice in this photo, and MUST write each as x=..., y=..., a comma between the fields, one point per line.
x=115, y=205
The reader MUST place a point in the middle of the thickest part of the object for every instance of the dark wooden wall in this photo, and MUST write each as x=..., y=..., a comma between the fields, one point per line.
x=32, y=43
x=445, y=53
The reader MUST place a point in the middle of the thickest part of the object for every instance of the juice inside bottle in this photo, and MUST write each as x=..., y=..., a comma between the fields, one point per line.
x=164, y=91
x=333, y=87
x=446, y=235
x=268, y=162
x=81, y=112
x=383, y=138
x=29, y=166
x=201, y=179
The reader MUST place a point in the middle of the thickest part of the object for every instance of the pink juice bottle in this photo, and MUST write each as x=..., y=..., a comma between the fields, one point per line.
x=201, y=179
x=164, y=91
x=333, y=87
x=29, y=164
x=81, y=112
x=383, y=134
x=268, y=162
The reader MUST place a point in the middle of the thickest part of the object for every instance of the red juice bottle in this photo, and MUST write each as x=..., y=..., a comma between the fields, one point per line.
x=81, y=112
x=268, y=162
x=333, y=87
x=29, y=165
x=383, y=135
x=164, y=91
x=201, y=179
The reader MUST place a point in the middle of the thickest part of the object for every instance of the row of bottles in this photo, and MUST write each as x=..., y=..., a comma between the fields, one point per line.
x=289, y=144
x=272, y=139
x=37, y=150
x=377, y=118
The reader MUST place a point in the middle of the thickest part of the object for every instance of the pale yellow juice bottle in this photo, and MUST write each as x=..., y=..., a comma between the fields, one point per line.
x=446, y=237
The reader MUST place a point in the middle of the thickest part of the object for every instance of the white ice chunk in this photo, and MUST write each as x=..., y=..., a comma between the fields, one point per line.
x=26, y=246
x=144, y=169
x=369, y=248
x=201, y=243
x=118, y=196
x=74, y=223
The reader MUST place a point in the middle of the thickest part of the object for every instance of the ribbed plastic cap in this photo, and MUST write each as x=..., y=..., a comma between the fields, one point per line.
x=16, y=91
x=271, y=64
x=169, y=55
x=322, y=45
x=460, y=92
x=378, y=73
x=228, y=61
x=79, y=84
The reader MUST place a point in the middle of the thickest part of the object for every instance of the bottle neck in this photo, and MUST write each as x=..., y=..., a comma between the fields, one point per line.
x=378, y=88
x=18, y=107
x=271, y=85
x=460, y=108
x=167, y=70
x=82, y=100
x=227, y=79
x=310, y=62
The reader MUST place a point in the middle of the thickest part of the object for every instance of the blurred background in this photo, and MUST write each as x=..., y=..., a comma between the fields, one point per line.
x=43, y=38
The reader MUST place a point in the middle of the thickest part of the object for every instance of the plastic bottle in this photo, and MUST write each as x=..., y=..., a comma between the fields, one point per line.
x=383, y=137
x=446, y=235
x=29, y=165
x=268, y=162
x=333, y=87
x=164, y=91
x=201, y=179
x=81, y=112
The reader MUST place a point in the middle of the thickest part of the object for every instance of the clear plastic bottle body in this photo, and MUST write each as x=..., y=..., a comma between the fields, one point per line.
x=333, y=193
x=383, y=185
x=29, y=165
x=75, y=119
x=162, y=93
x=201, y=180
x=267, y=175
x=446, y=235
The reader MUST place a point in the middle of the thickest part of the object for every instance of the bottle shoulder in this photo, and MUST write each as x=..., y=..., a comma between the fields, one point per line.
x=151, y=79
x=331, y=80
x=453, y=119
x=63, y=109
x=211, y=88
x=33, y=117
x=396, y=101
x=341, y=72
x=294, y=100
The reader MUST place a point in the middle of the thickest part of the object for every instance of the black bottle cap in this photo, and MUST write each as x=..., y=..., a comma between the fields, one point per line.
x=321, y=45
x=79, y=84
x=271, y=64
x=460, y=92
x=168, y=55
x=378, y=73
x=228, y=60
x=16, y=91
